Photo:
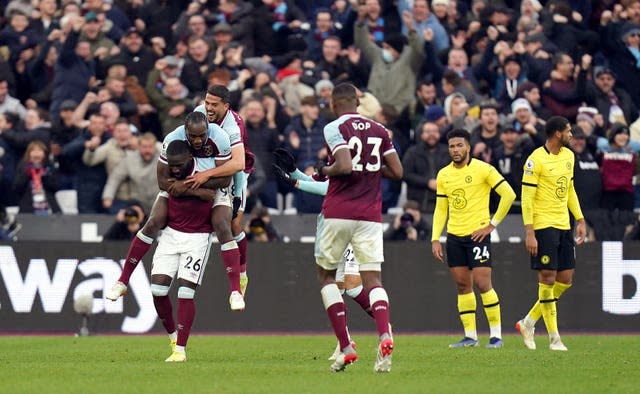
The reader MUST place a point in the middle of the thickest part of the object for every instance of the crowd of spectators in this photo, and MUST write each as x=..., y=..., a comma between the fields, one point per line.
x=89, y=88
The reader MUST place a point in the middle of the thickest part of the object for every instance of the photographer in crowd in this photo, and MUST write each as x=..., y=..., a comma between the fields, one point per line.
x=410, y=225
x=128, y=222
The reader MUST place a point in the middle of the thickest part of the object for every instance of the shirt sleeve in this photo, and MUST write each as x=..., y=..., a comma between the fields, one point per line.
x=440, y=212
x=529, y=186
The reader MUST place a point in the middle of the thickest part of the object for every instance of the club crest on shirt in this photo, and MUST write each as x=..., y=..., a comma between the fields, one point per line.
x=568, y=165
x=468, y=179
x=207, y=150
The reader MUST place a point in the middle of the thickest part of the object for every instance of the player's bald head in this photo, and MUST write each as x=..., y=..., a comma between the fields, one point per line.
x=344, y=98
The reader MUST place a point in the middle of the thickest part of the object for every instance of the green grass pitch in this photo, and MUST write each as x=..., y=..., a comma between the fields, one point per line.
x=298, y=364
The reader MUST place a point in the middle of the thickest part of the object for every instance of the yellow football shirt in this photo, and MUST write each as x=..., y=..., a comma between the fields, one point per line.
x=547, y=189
x=467, y=192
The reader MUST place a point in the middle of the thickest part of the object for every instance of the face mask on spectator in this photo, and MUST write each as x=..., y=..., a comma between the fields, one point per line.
x=387, y=56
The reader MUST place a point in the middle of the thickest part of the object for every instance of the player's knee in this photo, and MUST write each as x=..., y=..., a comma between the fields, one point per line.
x=186, y=292
x=152, y=227
x=159, y=290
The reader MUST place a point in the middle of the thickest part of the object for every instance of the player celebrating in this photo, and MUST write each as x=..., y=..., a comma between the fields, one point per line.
x=462, y=192
x=183, y=249
x=216, y=107
x=348, y=272
x=547, y=192
x=360, y=153
x=209, y=143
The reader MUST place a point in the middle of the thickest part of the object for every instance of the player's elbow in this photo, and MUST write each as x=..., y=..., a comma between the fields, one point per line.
x=343, y=167
x=397, y=173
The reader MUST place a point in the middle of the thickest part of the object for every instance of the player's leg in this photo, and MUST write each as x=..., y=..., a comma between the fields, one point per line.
x=459, y=259
x=462, y=278
x=349, y=283
x=239, y=191
x=221, y=221
x=368, y=251
x=164, y=268
x=328, y=253
x=564, y=280
x=190, y=273
x=140, y=245
x=352, y=281
x=160, y=285
x=490, y=303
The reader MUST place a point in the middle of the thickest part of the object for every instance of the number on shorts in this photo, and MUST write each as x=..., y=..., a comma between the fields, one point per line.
x=481, y=253
x=196, y=265
x=356, y=143
x=348, y=255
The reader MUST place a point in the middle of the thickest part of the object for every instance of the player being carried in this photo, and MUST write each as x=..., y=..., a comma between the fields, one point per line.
x=183, y=250
x=216, y=107
x=361, y=152
x=208, y=142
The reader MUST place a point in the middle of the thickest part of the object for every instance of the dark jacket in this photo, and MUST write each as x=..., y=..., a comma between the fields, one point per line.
x=597, y=98
x=311, y=141
x=90, y=180
x=421, y=164
x=23, y=187
x=72, y=75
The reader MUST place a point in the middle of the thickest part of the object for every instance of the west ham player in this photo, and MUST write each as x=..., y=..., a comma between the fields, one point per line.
x=209, y=143
x=347, y=272
x=462, y=191
x=548, y=195
x=216, y=107
x=183, y=250
x=361, y=152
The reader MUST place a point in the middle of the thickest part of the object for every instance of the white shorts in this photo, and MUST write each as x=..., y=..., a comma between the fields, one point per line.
x=333, y=236
x=184, y=254
x=348, y=265
x=222, y=197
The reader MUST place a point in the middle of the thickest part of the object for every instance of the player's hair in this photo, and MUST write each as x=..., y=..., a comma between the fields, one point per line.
x=459, y=133
x=219, y=91
x=178, y=147
x=346, y=93
x=195, y=118
x=555, y=123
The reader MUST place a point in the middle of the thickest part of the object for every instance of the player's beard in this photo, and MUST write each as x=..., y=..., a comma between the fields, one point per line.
x=461, y=158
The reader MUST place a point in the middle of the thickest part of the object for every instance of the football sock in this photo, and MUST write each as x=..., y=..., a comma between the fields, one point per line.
x=231, y=260
x=173, y=336
x=379, y=301
x=241, y=240
x=165, y=312
x=139, y=246
x=548, y=308
x=361, y=297
x=180, y=349
x=536, y=313
x=491, y=305
x=337, y=313
x=186, y=314
x=467, y=311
